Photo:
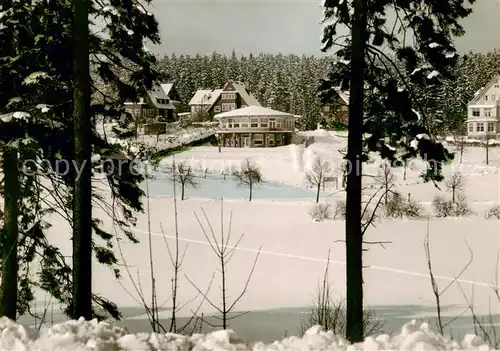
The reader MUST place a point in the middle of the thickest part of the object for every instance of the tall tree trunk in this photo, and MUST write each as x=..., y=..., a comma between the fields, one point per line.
x=182, y=191
x=317, y=192
x=8, y=296
x=82, y=192
x=354, y=240
x=8, y=293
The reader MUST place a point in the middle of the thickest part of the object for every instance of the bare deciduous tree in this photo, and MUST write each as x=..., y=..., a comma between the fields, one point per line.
x=455, y=183
x=224, y=252
x=316, y=176
x=386, y=179
x=248, y=174
x=184, y=174
x=460, y=139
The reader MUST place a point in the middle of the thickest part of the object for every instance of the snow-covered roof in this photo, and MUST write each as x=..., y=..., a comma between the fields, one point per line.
x=344, y=95
x=479, y=94
x=167, y=87
x=482, y=106
x=205, y=97
x=158, y=92
x=245, y=94
x=208, y=97
x=253, y=111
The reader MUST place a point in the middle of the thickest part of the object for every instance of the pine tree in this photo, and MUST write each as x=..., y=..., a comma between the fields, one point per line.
x=10, y=231
x=43, y=72
x=82, y=188
x=393, y=112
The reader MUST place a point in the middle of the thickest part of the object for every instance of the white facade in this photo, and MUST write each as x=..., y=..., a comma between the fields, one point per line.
x=255, y=126
x=483, y=112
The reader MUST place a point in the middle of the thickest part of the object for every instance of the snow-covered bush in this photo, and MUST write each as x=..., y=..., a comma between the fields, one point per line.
x=461, y=206
x=321, y=212
x=442, y=206
x=398, y=207
x=493, y=213
x=413, y=209
x=91, y=335
x=395, y=205
x=447, y=208
x=340, y=210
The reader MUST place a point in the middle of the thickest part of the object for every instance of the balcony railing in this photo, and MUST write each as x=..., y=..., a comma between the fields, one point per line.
x=255, y=129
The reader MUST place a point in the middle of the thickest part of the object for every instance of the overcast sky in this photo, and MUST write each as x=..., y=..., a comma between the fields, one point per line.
x=286, y=26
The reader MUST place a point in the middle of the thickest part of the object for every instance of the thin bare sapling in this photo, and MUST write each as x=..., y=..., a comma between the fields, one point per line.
x=455, y=183
x=316, y=175
x=437, y=292
x=224, y=252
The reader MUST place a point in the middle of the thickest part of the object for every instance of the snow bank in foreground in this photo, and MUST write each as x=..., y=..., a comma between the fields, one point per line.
x=82, y=335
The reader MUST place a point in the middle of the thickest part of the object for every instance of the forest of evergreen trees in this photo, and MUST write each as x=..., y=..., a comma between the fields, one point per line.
x=290, y=82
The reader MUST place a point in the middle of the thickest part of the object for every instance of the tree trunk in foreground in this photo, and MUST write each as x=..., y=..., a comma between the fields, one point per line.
x=354, y=240
x=82, y=192
x=8, y=296
x=8, y=293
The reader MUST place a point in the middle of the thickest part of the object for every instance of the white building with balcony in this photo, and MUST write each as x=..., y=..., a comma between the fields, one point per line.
x=255, y=126
x=483, y=112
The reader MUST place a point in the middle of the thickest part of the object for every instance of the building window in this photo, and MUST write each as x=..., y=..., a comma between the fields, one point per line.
x=228, y=106
x=228, y=96
x=479, y=127
x=487, y=112
x=471, y=127
x=263, y=122
x=486, y=98
x=493, y=97
x=475, y=112
x=491, y=126
x=254, y=122
x=217, y=108
x=230, y=123
x=141, y=100
x=244, y=123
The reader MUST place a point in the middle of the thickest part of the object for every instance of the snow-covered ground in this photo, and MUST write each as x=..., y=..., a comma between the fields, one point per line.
x=82, y=335
x=294, y=248
x=174, y=137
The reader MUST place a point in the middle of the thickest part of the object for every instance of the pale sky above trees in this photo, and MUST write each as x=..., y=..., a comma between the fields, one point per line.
x=273, y=26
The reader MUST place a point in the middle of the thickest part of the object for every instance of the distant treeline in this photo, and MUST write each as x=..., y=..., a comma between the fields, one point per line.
x=289, y=82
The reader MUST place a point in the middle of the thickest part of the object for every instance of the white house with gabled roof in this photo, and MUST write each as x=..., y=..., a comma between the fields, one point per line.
x=232, y=96
x=483, y=112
